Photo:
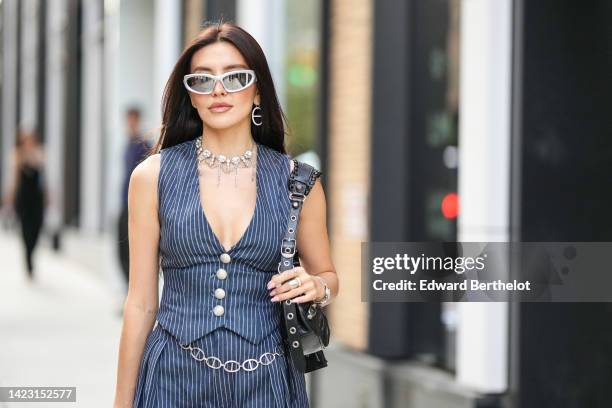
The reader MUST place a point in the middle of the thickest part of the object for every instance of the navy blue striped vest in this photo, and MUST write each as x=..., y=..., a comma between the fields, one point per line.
x=204, y=288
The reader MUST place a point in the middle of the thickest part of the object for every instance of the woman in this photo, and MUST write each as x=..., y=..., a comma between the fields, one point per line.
x=27, y=194
x=216, y=231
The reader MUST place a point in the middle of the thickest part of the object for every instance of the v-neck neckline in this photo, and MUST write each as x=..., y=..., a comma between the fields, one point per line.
x=216, y=239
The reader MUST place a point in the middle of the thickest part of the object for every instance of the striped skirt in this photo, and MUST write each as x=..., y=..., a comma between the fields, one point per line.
x=170, y=377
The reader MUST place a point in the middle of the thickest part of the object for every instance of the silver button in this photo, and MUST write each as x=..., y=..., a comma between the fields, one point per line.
x=221, y=273
x=219, y=293
x=218, y=310
x=225, y=258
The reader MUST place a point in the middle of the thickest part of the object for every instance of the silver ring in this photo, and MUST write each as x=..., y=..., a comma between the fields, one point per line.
x=295, y=282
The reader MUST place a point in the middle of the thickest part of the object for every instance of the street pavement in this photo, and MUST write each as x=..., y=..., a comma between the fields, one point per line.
x=63, y=329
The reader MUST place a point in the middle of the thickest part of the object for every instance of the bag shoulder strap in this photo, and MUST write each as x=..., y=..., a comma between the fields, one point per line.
x=300, y=182
x=302, y=178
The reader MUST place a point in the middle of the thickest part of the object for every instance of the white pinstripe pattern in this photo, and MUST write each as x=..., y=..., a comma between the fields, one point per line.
x=189, y=255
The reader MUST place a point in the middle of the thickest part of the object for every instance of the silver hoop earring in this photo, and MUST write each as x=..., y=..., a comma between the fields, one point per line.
x=256, y=115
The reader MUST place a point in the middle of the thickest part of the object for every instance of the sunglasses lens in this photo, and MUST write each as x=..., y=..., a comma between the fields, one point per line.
x=237, y=81
x=200, y=83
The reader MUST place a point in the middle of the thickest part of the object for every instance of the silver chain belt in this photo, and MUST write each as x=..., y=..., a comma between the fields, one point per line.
x=231, y=366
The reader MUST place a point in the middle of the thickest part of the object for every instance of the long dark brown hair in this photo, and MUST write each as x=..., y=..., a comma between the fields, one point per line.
x=181, y=122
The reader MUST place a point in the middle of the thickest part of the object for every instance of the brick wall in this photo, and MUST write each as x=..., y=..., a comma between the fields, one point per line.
x=348, y=165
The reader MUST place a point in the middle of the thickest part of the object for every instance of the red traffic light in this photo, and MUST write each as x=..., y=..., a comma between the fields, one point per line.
x=450, y=205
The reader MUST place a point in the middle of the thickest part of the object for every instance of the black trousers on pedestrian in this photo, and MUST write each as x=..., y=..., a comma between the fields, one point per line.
x=31, y=225
x=123, y=247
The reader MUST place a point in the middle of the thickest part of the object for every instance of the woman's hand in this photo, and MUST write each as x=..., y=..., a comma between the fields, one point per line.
x=296, y=284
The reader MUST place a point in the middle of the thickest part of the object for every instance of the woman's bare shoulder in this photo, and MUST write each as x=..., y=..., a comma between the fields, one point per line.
x=145, y=175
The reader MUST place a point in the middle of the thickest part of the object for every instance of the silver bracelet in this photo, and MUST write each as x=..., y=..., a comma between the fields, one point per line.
x=327, y=297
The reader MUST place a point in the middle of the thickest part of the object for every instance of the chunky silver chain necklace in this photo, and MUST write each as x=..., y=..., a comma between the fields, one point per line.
x=224, y=163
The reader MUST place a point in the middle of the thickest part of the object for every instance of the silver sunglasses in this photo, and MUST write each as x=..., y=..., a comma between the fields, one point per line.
x=233, y=81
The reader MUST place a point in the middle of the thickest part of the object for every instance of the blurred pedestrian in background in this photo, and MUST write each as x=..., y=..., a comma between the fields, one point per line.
x=135, y=151
x=27, y=194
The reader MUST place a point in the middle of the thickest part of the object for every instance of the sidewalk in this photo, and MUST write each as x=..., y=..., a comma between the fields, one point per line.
x=61, y=330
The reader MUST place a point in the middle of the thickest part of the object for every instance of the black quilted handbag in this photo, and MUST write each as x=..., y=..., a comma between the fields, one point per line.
x=306, y=330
